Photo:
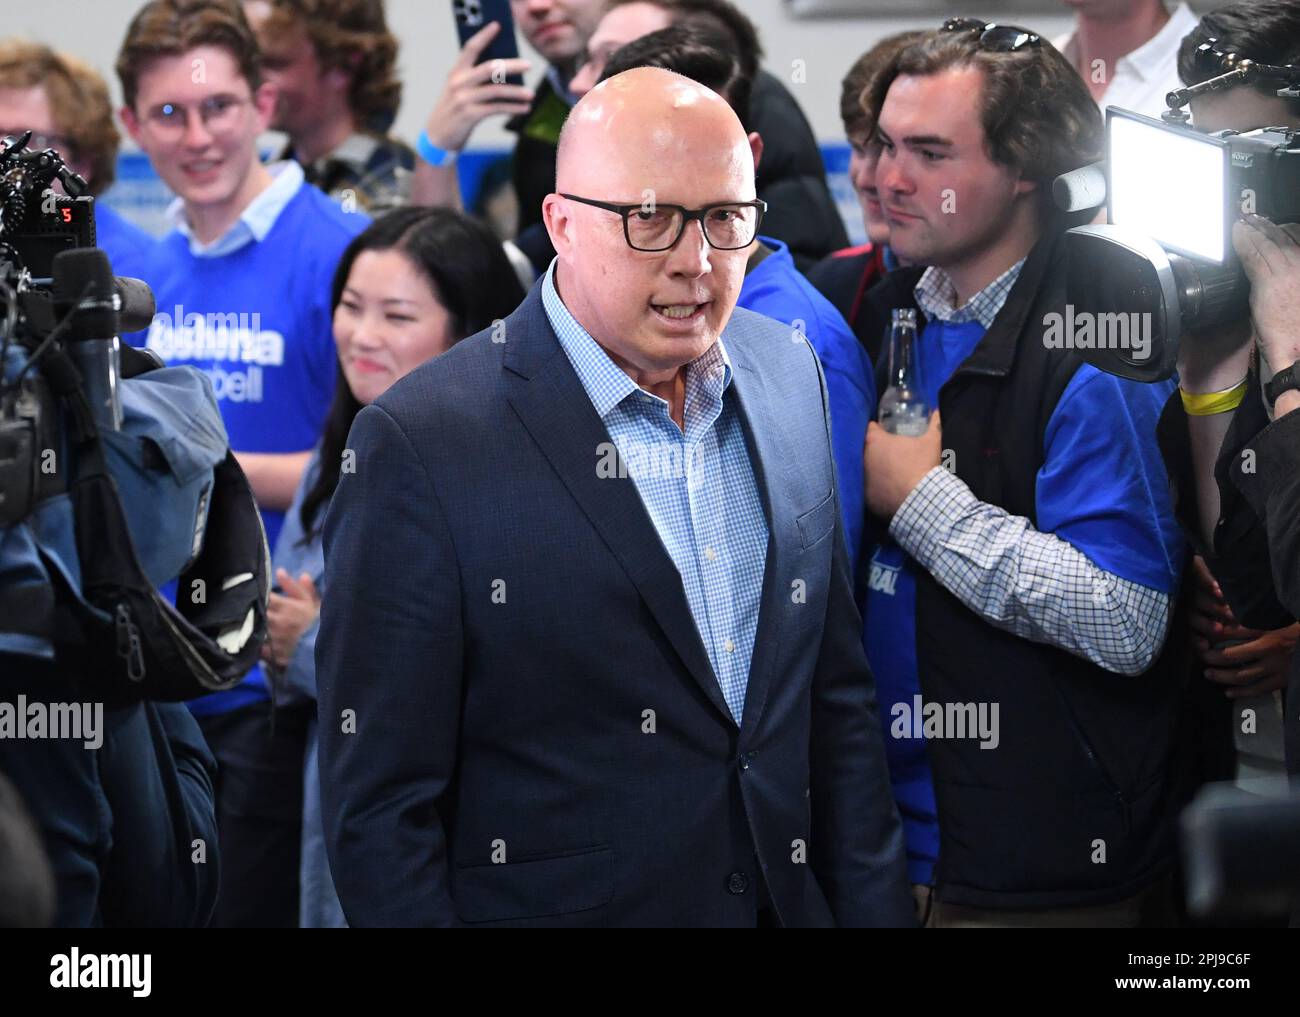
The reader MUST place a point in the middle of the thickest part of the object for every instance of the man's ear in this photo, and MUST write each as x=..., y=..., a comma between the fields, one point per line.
x=132, y=124
x=340, y=79
x=559, y=224
x=1024, y=186
x=756, y=146
x=264, y=105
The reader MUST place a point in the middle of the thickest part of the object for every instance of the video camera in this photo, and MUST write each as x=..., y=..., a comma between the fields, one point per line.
x=54, y=286
x=116, y=475
x=1172, y=194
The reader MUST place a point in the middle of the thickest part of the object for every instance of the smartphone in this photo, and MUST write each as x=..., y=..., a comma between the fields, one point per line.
x=472, y=15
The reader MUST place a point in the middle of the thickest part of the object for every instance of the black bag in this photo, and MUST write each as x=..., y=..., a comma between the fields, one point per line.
x=148, y=648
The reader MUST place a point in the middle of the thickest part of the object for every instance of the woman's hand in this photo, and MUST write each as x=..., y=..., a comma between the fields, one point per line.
x=288, y=616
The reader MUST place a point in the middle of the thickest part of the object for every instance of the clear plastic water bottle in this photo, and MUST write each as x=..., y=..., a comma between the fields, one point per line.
x=903, y=409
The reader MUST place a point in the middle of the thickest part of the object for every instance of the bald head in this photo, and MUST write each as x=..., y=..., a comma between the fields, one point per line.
x=648, y=128
x=649, y=139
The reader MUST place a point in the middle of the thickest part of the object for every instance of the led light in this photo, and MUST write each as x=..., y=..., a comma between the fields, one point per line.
x=1168, y=183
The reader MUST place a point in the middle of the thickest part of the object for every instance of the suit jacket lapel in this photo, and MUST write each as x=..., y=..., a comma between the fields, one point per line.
x=771, y=457
x=547, y=395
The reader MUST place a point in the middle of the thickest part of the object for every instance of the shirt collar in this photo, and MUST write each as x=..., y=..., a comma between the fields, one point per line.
x=254, y=222
x=355, y=152
x=560, y=85
x=1153, y=58
x=606, y=383
x=936, y=295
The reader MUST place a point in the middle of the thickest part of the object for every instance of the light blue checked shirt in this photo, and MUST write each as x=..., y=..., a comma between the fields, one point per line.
x=698, y=488
x=254, y=222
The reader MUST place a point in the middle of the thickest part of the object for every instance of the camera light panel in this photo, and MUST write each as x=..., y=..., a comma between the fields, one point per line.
x=1169, y=183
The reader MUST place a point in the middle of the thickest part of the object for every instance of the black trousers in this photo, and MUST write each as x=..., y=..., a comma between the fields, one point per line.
x=259, y=813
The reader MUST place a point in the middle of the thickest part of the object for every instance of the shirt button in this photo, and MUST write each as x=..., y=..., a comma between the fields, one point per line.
x=729, y=646
x=737, y=883
x=710, y=553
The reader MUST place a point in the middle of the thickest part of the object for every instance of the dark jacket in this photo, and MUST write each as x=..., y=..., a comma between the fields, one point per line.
x=1256, y=552
x=499, y=770
x=791, y=175
x=532, y=165
x=844, y=278
x=1083, y=760
x=119, y=822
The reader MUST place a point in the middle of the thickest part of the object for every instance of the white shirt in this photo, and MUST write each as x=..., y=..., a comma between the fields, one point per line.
x=1141, y=80
x=254, y=222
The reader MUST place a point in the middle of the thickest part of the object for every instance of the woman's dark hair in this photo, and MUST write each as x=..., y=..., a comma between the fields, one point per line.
x=471, y=277
x=693, y=50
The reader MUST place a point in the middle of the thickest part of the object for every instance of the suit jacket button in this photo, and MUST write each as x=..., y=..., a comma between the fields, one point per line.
x=737, y=883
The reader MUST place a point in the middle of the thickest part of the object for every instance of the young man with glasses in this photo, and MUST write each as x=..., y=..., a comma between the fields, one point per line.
x=1028, y=555
x=243, y=292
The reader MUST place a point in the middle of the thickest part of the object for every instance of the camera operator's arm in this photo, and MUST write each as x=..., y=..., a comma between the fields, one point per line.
x=1268, y=471
x=157, y=773
x=471, y=94
x=273, y=476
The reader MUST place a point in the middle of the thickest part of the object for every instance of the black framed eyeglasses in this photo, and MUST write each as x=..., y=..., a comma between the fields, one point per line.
x=994, y=37
x=650, y=226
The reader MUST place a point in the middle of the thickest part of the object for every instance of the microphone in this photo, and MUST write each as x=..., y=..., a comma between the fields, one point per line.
x=1082, y=189
x=85, y=292
x=137, y=310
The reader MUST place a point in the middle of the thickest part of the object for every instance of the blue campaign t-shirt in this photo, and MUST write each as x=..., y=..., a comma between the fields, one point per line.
x=779, y=290
x=257, y=321
x=1101, y=487
x=128, y=246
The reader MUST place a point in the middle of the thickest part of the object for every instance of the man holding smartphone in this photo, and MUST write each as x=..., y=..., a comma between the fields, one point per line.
x=556, y=29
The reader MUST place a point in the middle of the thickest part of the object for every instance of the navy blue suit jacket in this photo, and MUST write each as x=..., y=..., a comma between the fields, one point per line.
x=499, y=623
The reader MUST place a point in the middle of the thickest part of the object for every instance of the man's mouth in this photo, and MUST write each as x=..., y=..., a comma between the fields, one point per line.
x=679, y=312
x=199, y=167
x=894, y=213
x=551, y=28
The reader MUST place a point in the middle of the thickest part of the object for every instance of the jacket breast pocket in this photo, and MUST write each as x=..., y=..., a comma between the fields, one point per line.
x=577, y=880
x=817, y=522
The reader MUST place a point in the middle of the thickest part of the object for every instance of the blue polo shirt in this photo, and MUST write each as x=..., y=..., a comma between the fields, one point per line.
x=252, y=310
x=126, y=244
x=779, y=290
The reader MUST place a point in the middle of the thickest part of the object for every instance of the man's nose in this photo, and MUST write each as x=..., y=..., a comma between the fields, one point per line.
x=890, y=176
x=196, y=133
x=690, y=256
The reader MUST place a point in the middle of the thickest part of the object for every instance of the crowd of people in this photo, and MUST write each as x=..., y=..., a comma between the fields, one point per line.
x=507, y=682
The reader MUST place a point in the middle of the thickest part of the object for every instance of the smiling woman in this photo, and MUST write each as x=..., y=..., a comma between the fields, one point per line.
x=407, y=289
